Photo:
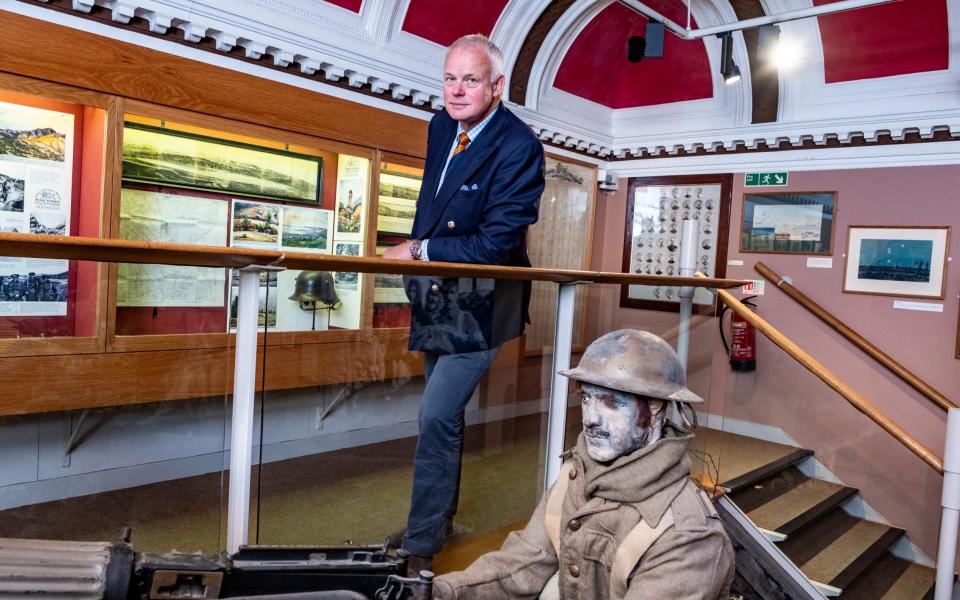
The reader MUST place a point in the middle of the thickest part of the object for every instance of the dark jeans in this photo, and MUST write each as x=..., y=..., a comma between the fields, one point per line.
x=451, y=380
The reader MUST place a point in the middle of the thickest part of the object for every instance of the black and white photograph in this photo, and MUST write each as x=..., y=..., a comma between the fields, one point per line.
x=33, y=287
x=184, y=160
x=47, y=224
x=11, y=192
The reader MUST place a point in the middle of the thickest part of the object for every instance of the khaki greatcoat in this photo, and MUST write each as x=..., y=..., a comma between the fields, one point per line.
x=604, y=502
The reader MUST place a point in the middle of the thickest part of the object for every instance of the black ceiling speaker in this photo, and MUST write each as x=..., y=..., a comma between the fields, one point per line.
x=635, y=47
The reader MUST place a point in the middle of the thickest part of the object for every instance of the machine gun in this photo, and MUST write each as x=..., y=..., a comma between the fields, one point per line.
x=114, y=571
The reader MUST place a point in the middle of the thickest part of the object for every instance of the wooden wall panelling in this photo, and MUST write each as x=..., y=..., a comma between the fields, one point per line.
x=122, y=378
x=562, y=238
x=46, y=51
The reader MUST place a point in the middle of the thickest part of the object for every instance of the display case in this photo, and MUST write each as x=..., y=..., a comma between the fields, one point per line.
x=398, y=189
x=193, y=179
x=52, y=171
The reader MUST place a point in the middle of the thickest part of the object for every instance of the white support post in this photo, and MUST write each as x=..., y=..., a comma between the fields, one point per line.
x=950, y=500
x=562, y=346
x=241, y=432
x=689, y=243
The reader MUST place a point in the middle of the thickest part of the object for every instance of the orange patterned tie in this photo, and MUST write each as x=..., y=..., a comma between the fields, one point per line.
x=464, y=140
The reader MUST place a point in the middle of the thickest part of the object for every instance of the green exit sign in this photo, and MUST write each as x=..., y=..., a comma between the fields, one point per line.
x=765, y=179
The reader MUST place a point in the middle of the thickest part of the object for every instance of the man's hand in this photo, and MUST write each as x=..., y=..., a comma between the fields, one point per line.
x=399, y=252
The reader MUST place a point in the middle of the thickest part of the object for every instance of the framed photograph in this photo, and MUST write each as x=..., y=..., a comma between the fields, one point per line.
x=255, y=225
x=352, y=178
x=896, y=261
x=304, y=229
x=788, y=222
x=397, y=205
x=346, y=281
x=185, y=160
x=656, y=209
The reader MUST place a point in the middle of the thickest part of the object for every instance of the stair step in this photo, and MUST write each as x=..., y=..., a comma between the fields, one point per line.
x=789, y=500
x=892, y=578
x=836, y=548
x=784, y=461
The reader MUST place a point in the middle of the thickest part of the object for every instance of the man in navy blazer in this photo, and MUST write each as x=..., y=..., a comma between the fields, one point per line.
x=481, y=190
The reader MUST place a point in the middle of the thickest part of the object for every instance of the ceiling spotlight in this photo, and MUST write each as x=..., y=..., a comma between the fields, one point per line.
x=728, y=68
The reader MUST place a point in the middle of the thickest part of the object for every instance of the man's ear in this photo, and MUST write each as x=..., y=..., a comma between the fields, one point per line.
x=498, y=86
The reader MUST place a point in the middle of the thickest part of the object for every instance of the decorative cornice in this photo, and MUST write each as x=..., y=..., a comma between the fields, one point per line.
x=398, y=69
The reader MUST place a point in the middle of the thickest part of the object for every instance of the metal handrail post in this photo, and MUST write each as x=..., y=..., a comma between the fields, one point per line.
x=241, y=419
x=689, y=242
x=950, y=500
x=560, y=385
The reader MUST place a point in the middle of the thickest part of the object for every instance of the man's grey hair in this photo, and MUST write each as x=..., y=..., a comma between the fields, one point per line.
x=478, y=40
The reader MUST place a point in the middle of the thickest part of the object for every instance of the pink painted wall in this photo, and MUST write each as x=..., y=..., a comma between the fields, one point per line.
x=782, y=394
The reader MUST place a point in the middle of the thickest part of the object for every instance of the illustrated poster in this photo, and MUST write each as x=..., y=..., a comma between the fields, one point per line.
x=352, y=175
x=36, y=166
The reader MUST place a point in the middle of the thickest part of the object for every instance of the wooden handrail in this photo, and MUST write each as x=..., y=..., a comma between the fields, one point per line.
x=130, y=251
x=811, y=364
x=856, y=339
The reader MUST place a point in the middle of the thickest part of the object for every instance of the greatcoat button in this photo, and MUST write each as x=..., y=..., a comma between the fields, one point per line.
x=574, y=524
x=451, y=224
x=573, y=473
x=574, y=571
x=435, y=287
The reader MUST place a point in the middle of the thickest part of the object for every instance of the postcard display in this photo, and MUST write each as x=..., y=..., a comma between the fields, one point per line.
x=658, y=215
x=36, y=191
x=264, y=218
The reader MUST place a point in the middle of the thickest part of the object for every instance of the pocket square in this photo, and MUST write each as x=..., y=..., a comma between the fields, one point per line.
x=469, y=188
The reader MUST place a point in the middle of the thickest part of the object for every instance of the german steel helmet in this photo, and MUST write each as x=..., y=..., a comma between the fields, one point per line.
x=637, y=362
x=315, y=286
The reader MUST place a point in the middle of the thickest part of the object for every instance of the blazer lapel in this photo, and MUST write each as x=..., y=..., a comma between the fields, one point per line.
x=465, y=166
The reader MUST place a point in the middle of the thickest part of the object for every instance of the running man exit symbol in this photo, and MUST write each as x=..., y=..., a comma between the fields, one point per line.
x=778, y=179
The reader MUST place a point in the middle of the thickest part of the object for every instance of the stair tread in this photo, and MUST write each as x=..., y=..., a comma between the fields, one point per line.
x=793, y=503
x=892, y=578
x=739, y=459
x=850, y=546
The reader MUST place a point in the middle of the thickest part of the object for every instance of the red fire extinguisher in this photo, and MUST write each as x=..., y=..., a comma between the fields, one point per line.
x=743, y=343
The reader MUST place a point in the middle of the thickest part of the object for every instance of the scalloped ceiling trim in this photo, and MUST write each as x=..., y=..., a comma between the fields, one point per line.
x=142, y=18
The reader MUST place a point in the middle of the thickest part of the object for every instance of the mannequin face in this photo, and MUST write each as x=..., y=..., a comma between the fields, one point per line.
x=616, y=423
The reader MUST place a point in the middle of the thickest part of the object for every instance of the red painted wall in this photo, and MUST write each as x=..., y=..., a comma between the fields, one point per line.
x=443, y=21
x=781, y=393
x=353, y=5
x=903, y=37
x=596, y=66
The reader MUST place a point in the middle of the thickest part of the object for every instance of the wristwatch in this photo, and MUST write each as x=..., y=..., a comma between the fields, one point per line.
x=416, y=249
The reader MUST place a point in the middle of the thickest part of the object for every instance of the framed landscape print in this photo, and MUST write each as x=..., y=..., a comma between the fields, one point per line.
x=166, y=157
x=896, y=261
x=656, y=209
x=788, y=222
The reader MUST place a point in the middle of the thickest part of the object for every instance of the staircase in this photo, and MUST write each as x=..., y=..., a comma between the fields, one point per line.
x=841, y=555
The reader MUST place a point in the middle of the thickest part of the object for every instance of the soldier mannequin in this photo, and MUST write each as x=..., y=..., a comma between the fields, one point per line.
x=624, y=520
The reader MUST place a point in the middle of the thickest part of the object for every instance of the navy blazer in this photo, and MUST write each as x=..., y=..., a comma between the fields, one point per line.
x=490, y=195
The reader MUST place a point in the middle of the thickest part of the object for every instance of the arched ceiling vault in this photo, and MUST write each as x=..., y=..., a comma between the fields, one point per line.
x=878, y=74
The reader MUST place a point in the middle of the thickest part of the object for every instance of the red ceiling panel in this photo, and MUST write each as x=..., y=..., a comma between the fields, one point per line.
x=903, y=37
x=596, y=67
x=353, y=5
x=443, y=21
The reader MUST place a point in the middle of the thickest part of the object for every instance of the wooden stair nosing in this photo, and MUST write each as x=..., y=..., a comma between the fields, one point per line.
x=742, y=481
x=817, y=511
x=874, y=552
x=877, y=579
